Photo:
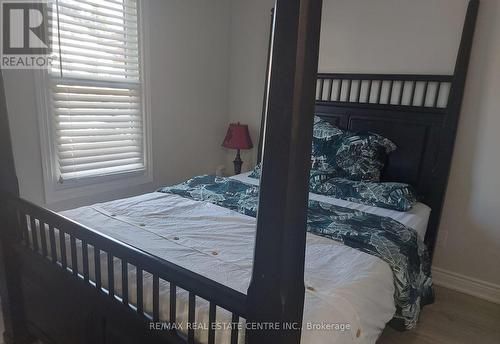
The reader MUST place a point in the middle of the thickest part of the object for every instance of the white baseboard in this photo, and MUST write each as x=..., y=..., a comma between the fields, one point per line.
x=467, y=285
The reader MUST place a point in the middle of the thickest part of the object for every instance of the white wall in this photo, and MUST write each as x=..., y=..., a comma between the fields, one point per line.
x=391, y=36
x=189, y=42
x=250, y=25
x=471, y=216
x=403, y=36
x=189, y=86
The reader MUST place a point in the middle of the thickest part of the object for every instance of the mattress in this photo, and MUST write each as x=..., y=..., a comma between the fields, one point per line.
x=349, y=294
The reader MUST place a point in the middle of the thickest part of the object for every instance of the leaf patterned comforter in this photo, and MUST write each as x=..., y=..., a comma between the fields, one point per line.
x=397, y=245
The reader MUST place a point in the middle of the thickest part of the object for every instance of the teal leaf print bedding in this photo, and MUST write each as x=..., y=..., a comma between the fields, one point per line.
x=345, y=154
x=314, y=175
x=389, y=195
x=398, y=245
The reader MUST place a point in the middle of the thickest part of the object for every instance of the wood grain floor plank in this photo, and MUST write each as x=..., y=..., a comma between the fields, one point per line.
x=454, y=318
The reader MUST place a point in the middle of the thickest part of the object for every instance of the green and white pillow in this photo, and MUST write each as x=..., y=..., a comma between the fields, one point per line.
x=352, y=155
x=394, y=196
x=389, y=195
x=317, y=175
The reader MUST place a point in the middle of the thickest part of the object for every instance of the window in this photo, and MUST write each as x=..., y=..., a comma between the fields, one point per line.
x=94, y=100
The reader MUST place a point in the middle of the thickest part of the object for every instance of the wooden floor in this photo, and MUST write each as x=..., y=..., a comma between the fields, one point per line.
x=455, y=318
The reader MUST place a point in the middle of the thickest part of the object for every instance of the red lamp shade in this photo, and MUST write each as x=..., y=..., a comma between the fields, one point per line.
x=237, y=137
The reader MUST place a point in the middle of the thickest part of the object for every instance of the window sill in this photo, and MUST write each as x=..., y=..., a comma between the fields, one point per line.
x=74, y=189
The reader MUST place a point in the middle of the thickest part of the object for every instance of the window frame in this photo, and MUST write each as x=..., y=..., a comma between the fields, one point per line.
x=77, y=188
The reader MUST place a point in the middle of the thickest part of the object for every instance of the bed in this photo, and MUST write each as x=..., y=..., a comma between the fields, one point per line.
x=346, y=288
x=114, y=273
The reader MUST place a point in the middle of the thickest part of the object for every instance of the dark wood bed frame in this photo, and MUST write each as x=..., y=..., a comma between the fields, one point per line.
x=44, y=298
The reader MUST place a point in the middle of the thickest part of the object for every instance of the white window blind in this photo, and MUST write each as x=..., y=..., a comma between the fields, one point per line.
x=95, y=83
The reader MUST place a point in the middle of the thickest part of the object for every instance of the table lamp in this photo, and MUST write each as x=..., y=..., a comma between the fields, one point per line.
x=237, y=137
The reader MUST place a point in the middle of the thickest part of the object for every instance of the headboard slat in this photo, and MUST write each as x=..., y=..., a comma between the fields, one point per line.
x=426, y=90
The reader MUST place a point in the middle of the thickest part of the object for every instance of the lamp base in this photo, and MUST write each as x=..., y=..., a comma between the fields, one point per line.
x=237, y=163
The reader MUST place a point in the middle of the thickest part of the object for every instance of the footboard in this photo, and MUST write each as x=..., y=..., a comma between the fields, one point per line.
x=61, y=262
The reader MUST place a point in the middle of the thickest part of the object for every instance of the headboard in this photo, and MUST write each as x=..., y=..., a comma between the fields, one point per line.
x=419, y=113
x=410, y=110
x=394, y=107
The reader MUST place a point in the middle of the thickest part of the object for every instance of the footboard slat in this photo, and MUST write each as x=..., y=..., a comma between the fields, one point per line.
x=191, y=317
x=62, y=244
x=211, y=322
x=125, y=282
x=43, y=239
x=24, y=228
x=234, y=328
x=97, y=267
x=173, y=303
x=34, y=235
x=74, y=259
x=111, y=276
x=85, y=261
x=53, y=249
x=139, y=291
x=156, y=298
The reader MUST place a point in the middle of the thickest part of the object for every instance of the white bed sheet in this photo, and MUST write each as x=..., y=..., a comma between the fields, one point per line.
x=344, y=285
x=417, y=218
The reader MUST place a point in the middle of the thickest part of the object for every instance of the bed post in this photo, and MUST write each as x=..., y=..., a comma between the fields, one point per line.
x=266, y=90
x=276, y=292
x=450, y=126
x=11, y=295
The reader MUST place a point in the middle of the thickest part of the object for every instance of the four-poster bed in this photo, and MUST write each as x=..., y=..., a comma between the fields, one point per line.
x=46, y=295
